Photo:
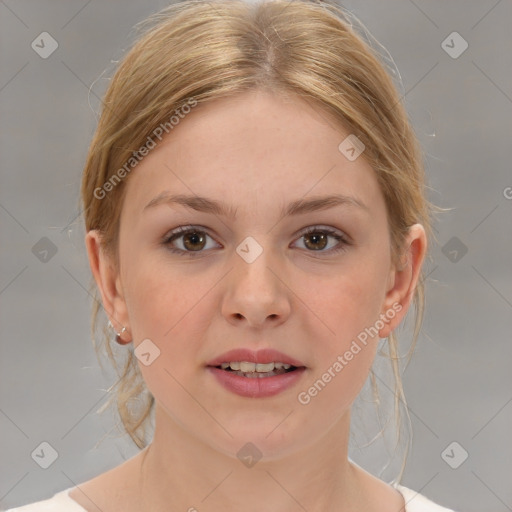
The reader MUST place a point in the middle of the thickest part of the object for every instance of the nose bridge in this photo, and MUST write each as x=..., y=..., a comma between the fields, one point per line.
x=253, y=265
x=255, y=290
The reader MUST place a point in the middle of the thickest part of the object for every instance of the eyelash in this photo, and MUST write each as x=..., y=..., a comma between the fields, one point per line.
x=182, y=231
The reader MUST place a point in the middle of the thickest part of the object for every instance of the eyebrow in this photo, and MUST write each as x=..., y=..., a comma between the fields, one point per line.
x=298, y=207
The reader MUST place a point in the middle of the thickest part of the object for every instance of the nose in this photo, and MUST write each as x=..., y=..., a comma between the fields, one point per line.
x=256, y=293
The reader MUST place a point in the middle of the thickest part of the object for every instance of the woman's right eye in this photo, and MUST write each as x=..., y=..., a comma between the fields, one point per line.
x=193, y=241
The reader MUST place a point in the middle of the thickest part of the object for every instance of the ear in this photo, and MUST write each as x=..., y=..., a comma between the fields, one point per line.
x=106, y=275
x=402, y=281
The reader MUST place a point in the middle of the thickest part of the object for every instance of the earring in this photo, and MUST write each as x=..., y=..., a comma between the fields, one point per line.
x=118, y=334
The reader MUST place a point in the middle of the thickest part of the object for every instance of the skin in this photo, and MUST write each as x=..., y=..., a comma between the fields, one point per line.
x=258, y=153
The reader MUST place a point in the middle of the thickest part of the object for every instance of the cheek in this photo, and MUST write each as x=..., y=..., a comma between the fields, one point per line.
x=345, y=352
x=169, y=308
x=348, y=307
x=173, y=318
x=157, y=296
x=333, y=388
x=347, y=303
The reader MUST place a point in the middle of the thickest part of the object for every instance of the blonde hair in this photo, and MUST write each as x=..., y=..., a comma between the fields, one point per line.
x=208, y=50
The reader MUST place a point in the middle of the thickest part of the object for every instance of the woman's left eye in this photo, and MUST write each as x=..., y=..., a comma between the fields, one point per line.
x=317, y=237
x=194, y=240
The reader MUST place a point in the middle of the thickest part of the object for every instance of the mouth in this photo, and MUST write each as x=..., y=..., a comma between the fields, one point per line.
x=256, y=374
x=257, y=370
x=256, y=380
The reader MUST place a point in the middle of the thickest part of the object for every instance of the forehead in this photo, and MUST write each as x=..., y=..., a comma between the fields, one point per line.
x=253, y=150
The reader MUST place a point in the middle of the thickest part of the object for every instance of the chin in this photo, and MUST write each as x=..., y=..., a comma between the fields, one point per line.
x=257, y=444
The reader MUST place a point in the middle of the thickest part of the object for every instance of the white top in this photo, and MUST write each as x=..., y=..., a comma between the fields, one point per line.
x=61, y=502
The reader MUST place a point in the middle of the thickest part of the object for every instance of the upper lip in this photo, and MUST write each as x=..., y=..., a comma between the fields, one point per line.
x=266, y=355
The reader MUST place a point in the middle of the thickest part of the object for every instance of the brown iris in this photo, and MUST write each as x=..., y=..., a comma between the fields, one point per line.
x=194, y=238
x=316, y=238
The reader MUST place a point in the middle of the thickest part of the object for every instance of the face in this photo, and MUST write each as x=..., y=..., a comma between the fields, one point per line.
x=251, y=277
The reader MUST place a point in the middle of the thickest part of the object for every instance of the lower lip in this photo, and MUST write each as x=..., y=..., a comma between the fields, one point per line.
x=257, y=387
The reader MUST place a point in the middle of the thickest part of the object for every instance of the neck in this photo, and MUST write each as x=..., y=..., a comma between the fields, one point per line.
x=181, y=472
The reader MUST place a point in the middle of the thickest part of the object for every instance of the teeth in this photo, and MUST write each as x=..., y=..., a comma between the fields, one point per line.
x=245, y=366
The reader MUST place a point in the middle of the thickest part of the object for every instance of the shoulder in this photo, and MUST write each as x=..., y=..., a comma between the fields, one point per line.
x=416, y=502
x=115, y=486
x=59, y=502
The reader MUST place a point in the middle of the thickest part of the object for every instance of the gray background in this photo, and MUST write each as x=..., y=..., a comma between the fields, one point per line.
x=458, y=385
